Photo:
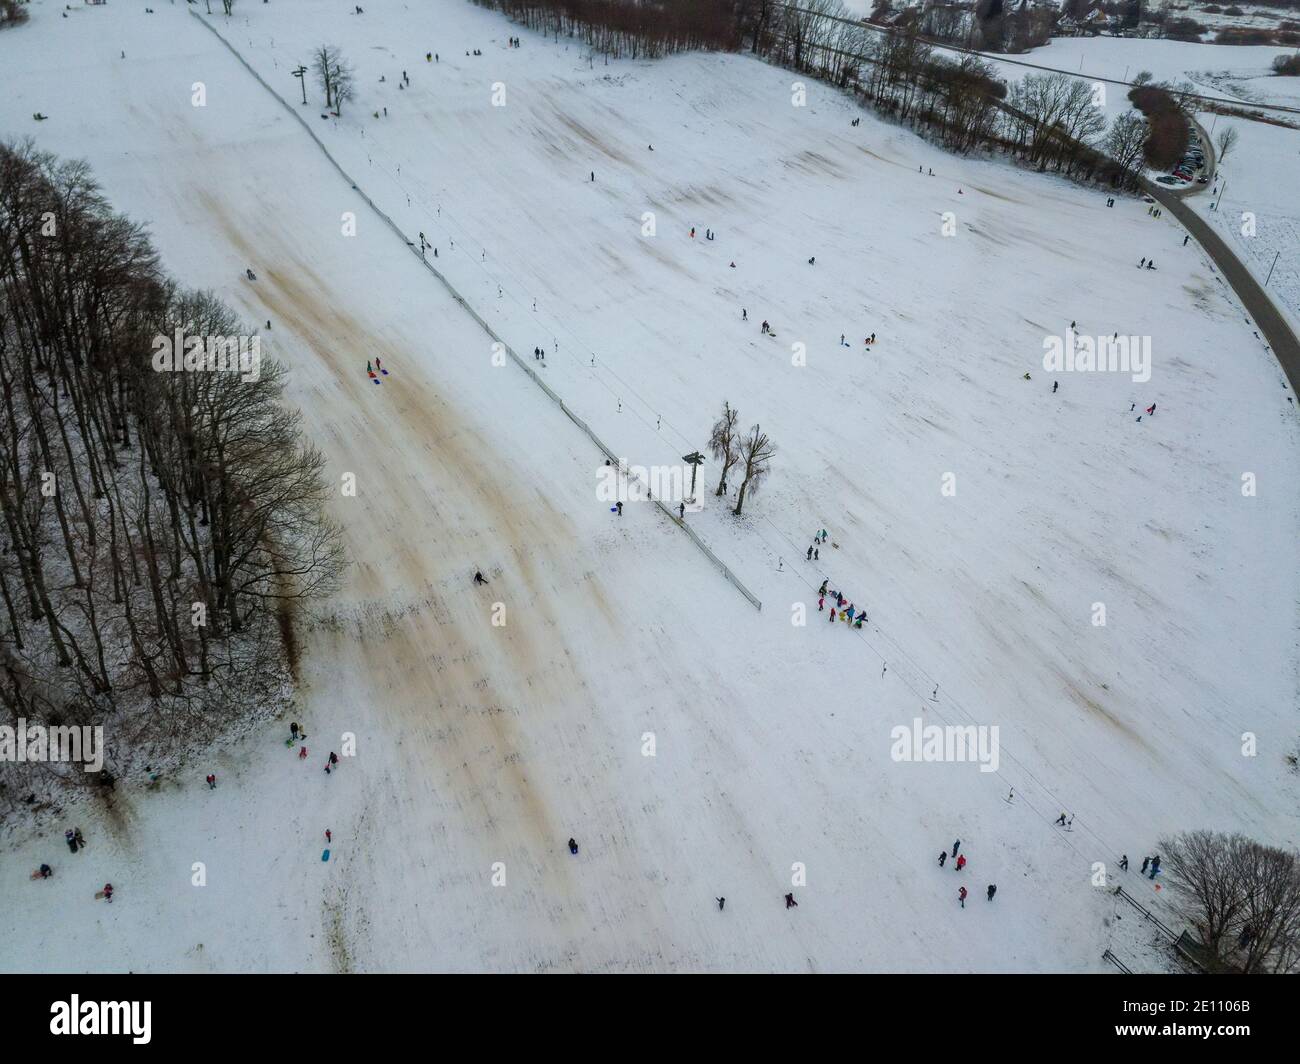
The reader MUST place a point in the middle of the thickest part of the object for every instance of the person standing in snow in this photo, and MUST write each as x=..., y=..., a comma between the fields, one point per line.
x=961, y=897
x=212, y=782
x=790, y=903
x=955, y=846
x=329, y=835
x=479, y=578
x=822, y=590
x=1155, y=867
x=961, y=862
x=1061, y=819
x=1055, y=385
x=71, y=840
x=293, y=730
x=681, y=510
x=821, y=603
x=993, y=889
x=1145, y=861
x=943, y=856
x=721, y=903
x=573, y=846
x=1151, y=409
x=817, y=555
x=810, y=550
x=1123, y=863
x=108, y=892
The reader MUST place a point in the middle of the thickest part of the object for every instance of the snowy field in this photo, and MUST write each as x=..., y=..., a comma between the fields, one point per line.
x=481, y=749
x=1259, y=216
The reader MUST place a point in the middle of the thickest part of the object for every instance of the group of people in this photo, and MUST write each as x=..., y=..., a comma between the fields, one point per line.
x=959, y=862
x=76, y=841
x=849, y=614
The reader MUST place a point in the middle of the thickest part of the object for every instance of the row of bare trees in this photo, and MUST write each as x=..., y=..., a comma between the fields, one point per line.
x=1242, y=897
x=633, y=30
x=1047, y=120
x=155, y=524
x=751, y=452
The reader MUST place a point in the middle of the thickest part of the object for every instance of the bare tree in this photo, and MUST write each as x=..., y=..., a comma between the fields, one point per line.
x=723, y=443
x=325, y=62
x=1243, y=898
x=1203, y=872
x=1124, y=141
x=344, y=85
x=1227, y=141
x=756, y=451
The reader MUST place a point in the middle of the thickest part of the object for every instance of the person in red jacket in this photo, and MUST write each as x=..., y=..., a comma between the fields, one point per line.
x=108, y=892
x=961, y=862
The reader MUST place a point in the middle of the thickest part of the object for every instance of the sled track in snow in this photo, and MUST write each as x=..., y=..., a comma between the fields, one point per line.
x=521, y=363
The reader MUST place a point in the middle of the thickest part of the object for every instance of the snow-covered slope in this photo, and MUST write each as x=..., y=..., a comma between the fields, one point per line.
x=481, y=749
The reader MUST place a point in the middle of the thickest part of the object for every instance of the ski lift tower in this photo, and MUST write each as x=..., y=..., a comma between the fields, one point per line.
x=695, y=460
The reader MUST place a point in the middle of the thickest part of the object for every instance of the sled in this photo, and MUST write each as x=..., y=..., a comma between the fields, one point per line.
x=37, y=875
x=99, y=894
x=325, y=856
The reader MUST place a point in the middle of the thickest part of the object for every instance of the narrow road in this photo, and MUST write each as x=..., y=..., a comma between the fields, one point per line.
x=1277, y=331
